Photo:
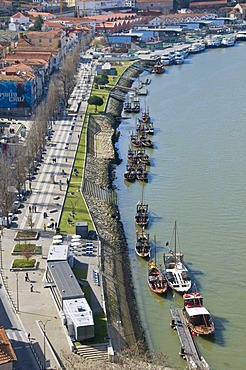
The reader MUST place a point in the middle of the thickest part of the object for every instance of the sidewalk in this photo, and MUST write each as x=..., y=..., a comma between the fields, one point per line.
x=37, y=310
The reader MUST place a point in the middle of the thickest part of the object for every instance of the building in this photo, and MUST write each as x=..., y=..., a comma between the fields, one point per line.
x=17, y=91
x=19, y=22
x=93, y=7
x=7, y=355
x=69, y=297
x=165, y=6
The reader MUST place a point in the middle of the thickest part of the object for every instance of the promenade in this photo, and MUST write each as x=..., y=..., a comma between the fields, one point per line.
x=36, y=310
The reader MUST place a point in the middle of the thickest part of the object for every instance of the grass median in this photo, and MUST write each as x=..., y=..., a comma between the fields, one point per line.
x=75, y=209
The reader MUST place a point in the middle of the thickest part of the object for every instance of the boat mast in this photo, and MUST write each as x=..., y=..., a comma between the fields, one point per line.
x=175, y=241
x=155, y=249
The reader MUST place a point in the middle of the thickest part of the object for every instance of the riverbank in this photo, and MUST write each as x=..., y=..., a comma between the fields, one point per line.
x=123, y=319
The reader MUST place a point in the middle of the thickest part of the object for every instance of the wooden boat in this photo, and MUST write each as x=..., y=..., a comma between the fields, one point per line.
x=142, y=247
x=142, y=213
x=127, y=107
x=144, y=123
x=176, y=273
x=156, y=279
x=196, y=315
x=158, y=68
x=130, y=173
x=141, y=173
x=131, y=154
x=146, y=142
x=142, y=157
x=135, y=140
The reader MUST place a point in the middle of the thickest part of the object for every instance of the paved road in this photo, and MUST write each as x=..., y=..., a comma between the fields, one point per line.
x=38, y=308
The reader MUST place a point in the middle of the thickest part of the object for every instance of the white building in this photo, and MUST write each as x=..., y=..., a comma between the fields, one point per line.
x=93, y=7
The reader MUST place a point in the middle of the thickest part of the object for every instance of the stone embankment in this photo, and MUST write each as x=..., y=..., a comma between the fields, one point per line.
x=123, y=318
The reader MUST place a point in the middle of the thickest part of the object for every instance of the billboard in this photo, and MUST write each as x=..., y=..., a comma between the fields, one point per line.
x=16, y=94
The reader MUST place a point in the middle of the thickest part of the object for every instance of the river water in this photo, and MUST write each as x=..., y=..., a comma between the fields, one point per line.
x=198, y=178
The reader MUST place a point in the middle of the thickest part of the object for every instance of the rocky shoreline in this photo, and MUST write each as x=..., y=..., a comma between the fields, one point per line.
x=123, y=319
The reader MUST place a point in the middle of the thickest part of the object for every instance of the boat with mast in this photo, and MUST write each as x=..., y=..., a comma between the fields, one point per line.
x=156, y=280
x=142, y=213
x=176, y=273
x=142, y=246
x=196, y=315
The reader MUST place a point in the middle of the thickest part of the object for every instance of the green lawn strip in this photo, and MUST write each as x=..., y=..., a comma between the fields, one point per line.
x=75, y=200
x=23, y=263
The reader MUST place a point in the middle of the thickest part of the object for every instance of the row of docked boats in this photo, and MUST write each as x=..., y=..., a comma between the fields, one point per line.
x=174, y=274
x=137, y=157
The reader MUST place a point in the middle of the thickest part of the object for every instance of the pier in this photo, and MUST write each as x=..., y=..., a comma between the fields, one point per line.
x=189, y=349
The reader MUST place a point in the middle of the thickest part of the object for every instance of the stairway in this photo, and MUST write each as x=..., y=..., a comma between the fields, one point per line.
x=97, y=352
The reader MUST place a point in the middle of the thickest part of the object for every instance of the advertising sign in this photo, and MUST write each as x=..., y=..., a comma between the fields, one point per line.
x=15, y=94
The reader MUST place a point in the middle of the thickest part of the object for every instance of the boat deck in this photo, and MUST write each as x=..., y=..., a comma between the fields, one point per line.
x=189, y=349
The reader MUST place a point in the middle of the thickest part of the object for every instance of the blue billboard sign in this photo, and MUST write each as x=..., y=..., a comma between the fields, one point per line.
x=16, y=94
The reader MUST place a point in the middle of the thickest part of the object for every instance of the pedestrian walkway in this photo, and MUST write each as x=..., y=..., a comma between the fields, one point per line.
x=36, y=307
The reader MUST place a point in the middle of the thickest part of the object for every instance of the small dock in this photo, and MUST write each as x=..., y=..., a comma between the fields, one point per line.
x=189, y=349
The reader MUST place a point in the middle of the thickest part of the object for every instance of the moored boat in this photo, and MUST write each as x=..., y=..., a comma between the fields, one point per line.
x=158, y=68
x=156, y=280
x=228, y=41
x=130, y=173
x=141, y=173
x=176, y=273
x=142, y=246
x=196, y=315
x=142, y=213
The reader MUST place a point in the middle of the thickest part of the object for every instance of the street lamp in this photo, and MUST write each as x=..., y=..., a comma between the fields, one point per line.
x=17, y=291
x=44, y=332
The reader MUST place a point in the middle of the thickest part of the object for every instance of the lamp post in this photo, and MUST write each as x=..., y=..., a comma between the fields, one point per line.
x=1, y=252
x=17, y=291
x=44, y=333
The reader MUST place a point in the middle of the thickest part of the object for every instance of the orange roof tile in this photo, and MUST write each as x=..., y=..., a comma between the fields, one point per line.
x=6, y=351
x=18, y=15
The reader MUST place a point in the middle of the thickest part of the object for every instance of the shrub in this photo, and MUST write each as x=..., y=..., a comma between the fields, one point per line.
x=23, y=263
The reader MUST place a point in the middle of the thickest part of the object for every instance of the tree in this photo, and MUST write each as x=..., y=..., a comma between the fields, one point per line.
x=27, y=250
x=95, y=100
x=37, y=26
x=6, y=185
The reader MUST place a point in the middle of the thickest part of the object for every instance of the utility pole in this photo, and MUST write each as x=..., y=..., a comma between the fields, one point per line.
x=17, y=292
x=44, y=333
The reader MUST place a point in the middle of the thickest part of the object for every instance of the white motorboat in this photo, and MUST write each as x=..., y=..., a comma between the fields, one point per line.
x=179, y=57
x=241, y=36
x=197, y=47
x=228, y=41
x=167, y=59
x=176, y=273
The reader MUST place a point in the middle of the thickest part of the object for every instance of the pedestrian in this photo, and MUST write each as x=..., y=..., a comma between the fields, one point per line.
x=27, y=277
x=30, y=208
x=66, y=159
x=35, y=209
x=29, y=336
x=67, y=181
x=78, y=136
x=52, y=226
x=44, y=227
x=55, y=224
x=31, y=288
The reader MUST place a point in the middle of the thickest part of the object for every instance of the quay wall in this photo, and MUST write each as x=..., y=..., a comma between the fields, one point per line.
x=123, y=319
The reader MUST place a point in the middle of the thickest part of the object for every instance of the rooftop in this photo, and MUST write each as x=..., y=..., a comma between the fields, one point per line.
x=65, y=280
x=6, y=351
